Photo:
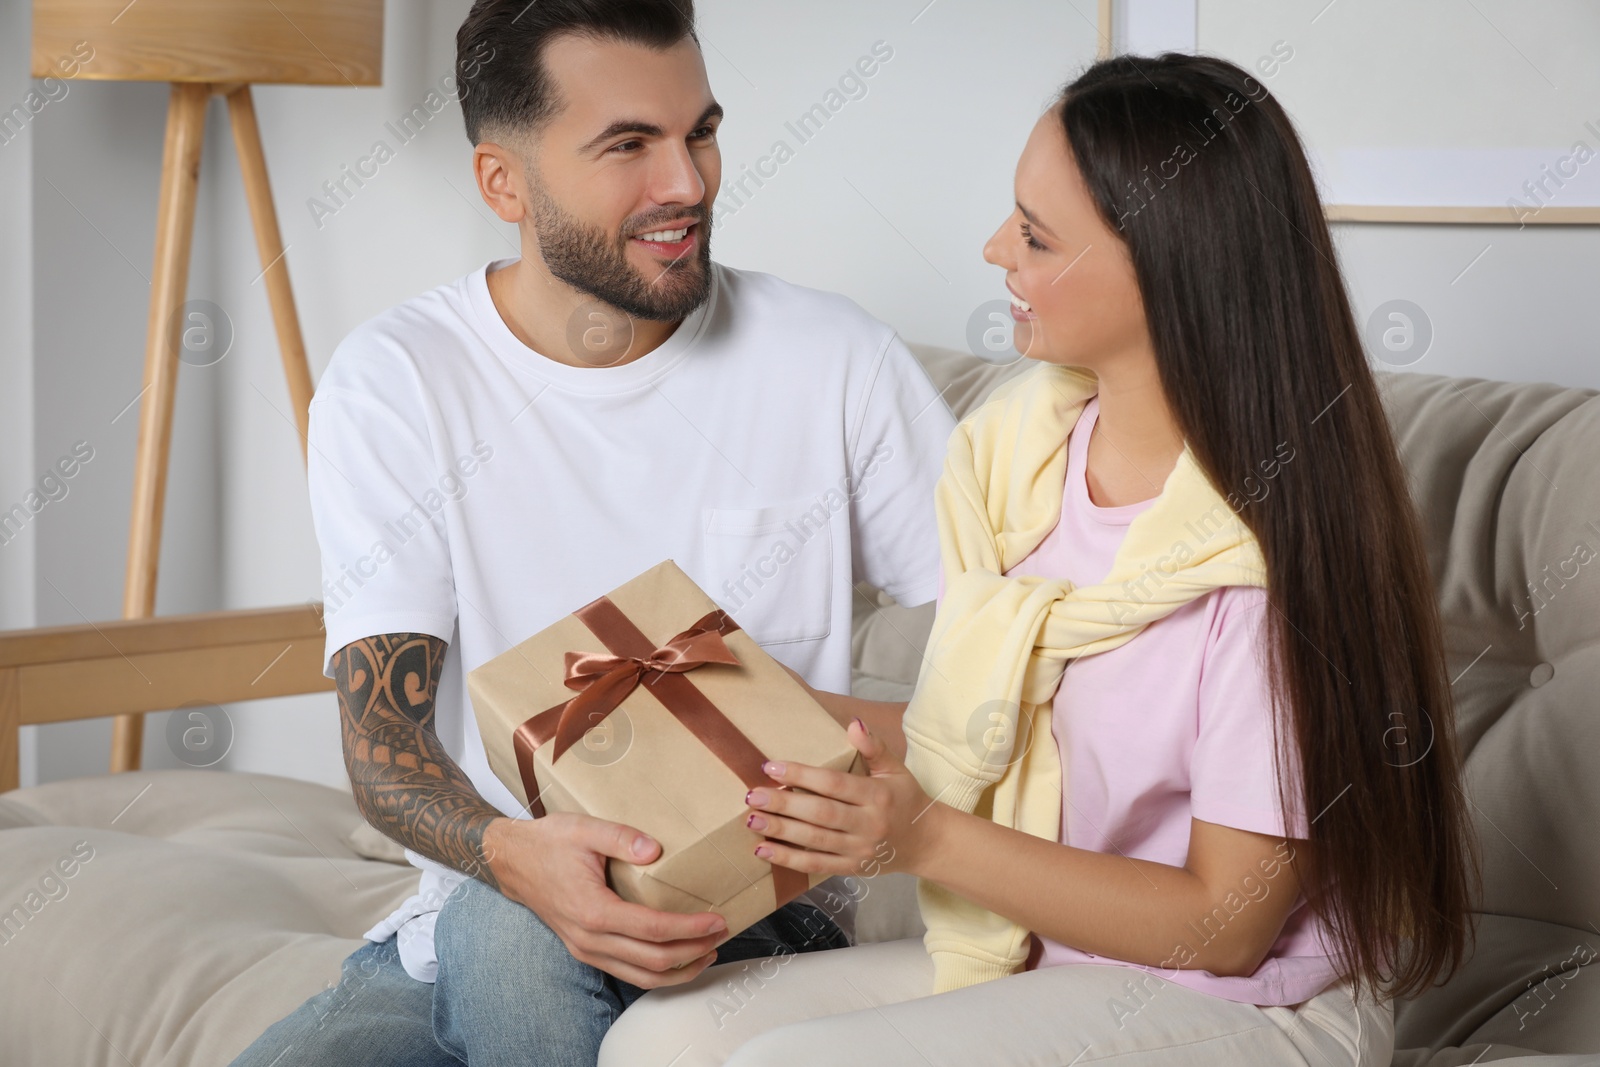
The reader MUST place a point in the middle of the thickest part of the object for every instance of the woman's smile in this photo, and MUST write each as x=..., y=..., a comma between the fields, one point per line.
x=1021, y=310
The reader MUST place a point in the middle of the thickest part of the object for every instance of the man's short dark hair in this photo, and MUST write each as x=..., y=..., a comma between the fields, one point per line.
x=501, y=77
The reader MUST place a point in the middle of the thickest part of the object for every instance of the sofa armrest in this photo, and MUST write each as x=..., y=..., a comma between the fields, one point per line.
x=58, y=673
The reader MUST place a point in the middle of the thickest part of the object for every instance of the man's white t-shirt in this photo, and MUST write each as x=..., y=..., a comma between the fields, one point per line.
x=779, y=446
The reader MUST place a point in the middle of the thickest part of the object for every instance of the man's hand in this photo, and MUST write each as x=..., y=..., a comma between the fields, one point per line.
x=556, y=867
x=406, y=785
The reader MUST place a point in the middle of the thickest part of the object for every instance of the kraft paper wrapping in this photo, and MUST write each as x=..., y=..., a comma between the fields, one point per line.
x=641, y=765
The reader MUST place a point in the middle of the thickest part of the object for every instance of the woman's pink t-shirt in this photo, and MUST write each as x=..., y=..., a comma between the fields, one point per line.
x=1173, y=725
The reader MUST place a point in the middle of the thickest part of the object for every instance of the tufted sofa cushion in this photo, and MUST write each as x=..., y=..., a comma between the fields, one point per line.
x=1507, y=480
x=167, y=918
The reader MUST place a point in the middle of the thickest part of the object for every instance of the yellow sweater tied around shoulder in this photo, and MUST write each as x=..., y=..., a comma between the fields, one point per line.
x=999, y=645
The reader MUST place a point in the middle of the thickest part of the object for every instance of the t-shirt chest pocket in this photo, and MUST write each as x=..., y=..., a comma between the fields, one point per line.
x=771, y=567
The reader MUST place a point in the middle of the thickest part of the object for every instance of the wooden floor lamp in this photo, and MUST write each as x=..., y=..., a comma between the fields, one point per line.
x=203, y=47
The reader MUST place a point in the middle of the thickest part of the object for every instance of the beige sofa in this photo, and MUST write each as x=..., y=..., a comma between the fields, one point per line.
x=166, y=918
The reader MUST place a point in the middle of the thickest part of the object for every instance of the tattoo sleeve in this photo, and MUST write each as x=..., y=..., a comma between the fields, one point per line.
x=404, y=781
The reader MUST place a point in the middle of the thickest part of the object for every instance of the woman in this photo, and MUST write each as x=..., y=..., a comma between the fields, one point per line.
x=1239, y=832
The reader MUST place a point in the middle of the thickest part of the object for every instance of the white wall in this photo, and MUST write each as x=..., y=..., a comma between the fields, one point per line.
x=16, y=333
x=890, y=203
x=1516, y=305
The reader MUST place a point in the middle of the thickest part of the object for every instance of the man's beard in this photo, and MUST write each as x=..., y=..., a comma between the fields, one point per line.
x=592, y=262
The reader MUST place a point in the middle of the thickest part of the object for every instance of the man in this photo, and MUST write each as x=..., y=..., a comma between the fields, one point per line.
x=493, y=454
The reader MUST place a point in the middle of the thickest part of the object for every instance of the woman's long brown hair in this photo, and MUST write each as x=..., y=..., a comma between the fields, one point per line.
x=1201, y=172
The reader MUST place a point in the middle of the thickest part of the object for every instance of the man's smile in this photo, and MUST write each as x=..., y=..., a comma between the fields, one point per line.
x=673, y=241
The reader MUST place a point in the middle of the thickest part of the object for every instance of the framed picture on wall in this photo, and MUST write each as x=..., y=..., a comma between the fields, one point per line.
x=1427, y=111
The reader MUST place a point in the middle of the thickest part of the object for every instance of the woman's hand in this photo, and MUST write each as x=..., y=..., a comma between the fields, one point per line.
x=853, y=824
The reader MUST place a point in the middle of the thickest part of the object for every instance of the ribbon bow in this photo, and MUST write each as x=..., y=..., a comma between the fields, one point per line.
x=604, y=681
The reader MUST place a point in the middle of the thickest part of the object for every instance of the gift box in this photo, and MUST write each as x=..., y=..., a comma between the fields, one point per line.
x=651, y=707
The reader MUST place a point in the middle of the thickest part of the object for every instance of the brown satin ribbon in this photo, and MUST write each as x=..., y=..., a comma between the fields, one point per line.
x=604, y=682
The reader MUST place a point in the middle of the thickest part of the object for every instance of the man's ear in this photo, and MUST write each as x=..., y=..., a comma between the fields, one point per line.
x=502, y=180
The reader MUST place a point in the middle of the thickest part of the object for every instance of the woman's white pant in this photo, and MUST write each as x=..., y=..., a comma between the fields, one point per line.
x=869, y=1005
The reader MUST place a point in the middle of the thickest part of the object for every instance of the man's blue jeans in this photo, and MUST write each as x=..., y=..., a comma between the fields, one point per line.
x=508, y=992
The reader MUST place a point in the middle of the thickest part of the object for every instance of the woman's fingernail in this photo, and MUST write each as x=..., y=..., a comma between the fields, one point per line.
x=763, y=851
x=858, y=722
x=756, y=822
x=641, y=846
x=756, y=797
x=772, y=769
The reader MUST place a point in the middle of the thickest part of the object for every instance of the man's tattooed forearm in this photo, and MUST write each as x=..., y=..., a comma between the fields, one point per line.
x=404, y=781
